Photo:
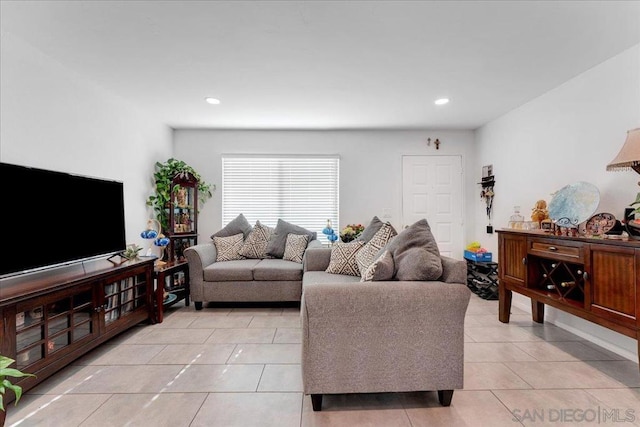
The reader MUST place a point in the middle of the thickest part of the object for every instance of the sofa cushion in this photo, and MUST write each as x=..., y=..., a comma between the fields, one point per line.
x=277, y=269
x=295, y=247
x=313, y=277
x=370, y=230
x=238, y=225
x=227, y=247
x=278, y=240
x=371, y=249
x=230, y=271
x=382, y=268
x=343, y=258
x=417, y=235
x=255, y=246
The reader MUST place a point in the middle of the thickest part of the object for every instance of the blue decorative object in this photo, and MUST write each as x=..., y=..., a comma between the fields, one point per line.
x=161, y=241
x=330, y=232
x=149, y=234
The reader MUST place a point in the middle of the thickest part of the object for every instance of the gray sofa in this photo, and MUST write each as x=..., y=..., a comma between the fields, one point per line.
x=244, y=280
x=385, y=336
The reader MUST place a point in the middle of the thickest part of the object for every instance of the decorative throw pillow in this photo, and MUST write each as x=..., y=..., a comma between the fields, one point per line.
x=278, y=239
x=418, y=264
x=295, y=247
x=238, y=225
x=370, y=230
x=367, y=254
x=228, y=247
x=343, y=258
x=380, y=269
x=256, y=244
x=417, y=235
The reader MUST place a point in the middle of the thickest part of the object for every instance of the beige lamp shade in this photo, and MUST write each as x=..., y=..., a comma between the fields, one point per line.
x=629, y=155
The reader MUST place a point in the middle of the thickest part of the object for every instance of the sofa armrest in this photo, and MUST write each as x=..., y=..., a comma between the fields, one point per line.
x=453, y=270
x=316, y=259
x=199, y=257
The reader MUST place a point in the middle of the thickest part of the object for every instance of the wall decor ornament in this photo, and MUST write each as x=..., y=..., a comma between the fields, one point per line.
x=573, y=204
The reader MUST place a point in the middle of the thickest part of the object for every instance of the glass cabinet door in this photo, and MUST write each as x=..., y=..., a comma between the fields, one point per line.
x=52, y=326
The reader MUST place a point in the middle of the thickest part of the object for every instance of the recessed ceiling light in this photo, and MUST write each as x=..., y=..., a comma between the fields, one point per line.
x=441, y=101
x=212, y=101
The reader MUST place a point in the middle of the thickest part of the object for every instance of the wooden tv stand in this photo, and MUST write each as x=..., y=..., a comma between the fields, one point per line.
x=51, y=318
x=595, y=279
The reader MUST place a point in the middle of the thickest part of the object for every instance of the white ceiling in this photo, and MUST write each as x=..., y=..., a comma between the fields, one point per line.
x=326, y=65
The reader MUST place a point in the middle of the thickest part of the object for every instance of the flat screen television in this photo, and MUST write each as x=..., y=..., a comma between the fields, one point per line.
x=54, y=218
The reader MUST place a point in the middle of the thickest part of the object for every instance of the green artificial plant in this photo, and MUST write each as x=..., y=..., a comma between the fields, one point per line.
x=636, y=205
x=6, y=371
x=163, y=176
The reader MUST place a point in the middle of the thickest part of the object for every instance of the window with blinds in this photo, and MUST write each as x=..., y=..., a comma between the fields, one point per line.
x=302, y=190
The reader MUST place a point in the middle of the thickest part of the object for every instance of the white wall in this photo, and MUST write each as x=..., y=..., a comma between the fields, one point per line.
x=370, y=164
x=52, y=118
x=567, y=135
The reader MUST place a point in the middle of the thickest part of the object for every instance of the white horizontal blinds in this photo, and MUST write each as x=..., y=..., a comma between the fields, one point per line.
x=302, y=190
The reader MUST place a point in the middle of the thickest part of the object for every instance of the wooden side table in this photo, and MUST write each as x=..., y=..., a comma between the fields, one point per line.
x=172, y=276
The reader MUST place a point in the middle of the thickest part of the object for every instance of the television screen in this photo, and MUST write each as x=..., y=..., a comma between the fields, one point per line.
x=54, y=218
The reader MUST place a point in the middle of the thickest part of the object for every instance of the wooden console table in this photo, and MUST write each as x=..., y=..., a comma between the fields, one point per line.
x=595, y=279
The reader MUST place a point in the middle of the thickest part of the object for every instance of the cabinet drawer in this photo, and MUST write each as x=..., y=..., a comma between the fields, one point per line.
x=556, y=251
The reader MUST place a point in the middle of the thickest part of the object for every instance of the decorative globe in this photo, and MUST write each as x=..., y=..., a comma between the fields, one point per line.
x=161, y=241
x=149, y=234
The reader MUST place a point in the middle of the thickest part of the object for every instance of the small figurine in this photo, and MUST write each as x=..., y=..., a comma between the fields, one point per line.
x=540, y=212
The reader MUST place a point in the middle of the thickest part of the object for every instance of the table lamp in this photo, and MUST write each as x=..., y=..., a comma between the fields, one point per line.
x=629, y=158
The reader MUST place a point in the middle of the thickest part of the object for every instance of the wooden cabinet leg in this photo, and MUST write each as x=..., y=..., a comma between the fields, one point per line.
x=504, y=304
x=537, y=311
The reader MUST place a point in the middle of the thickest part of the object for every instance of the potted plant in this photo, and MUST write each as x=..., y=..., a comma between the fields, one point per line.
x=163, y=177
x=6, y=371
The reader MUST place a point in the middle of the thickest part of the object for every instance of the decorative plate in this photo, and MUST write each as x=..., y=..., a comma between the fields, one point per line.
x=573, y=204
x=599, y=224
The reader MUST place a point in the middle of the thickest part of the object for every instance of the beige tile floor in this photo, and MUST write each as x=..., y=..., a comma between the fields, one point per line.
x=241, y=367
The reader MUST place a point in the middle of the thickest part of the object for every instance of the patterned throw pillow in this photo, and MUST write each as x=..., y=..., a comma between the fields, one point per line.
x=228, y=247
x=368, y=253
x=278, y=240
x=343, y=258
x=295, y=247
x=380, y=269
x=256, y=244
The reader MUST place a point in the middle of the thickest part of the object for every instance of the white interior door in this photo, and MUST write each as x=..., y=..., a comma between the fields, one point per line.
x=432, y=189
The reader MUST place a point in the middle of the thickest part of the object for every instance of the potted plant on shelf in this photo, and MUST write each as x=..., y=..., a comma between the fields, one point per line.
x=163, y=177
x=6, y=371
